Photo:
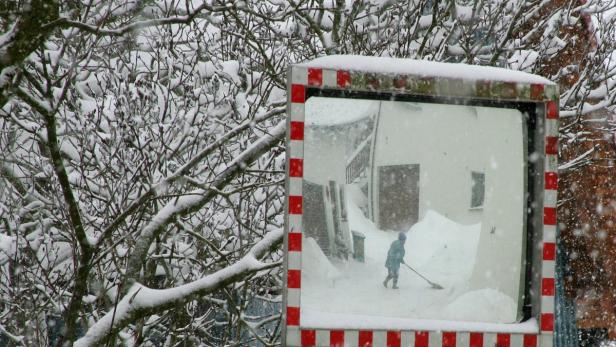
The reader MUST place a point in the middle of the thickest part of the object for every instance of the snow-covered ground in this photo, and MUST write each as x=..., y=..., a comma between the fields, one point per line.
x=335, y=292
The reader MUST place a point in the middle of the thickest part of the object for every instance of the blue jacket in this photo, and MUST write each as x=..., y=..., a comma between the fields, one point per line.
x=395, y=255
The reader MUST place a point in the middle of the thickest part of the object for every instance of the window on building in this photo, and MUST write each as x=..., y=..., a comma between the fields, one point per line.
x=478, y=189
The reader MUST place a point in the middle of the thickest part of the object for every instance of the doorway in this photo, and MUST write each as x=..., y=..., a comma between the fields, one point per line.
x=398, y=196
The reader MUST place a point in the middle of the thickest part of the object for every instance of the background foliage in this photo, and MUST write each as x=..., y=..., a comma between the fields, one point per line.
x=142, y=147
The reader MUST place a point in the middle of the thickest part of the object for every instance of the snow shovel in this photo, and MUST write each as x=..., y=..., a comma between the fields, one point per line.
x=434, y=285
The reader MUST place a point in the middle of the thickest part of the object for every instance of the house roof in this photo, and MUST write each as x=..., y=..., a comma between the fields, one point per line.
x=328, y=112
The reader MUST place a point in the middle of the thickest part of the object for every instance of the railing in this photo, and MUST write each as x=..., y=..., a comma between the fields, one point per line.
x=358, y=161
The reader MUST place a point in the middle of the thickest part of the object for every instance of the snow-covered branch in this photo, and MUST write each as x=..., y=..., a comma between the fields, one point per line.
x=582, y=159
x=136, y=26
x=19, y=340
x=198, y=198
x=179, y=173
x=140, y=301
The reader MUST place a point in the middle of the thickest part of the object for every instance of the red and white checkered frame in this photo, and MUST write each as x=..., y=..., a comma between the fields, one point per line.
x=545, y=96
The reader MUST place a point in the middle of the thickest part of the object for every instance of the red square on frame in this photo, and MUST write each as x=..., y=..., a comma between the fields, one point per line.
x=549, y=216
x=551, y=180
x=343, y=79
x=476, y=340
x=449, y=339
x=295, y=242
x=296, y=167
x=293, y=316
x=551, y=145
x=530, y=340
x=400, y=82
x=298, y=93
x=295, y=204
x=365, y=338
x=547, y=322
x=549, y=251
x=336, y=338
x=393, y=339
x=551, y=110
x=422, y=338
x=294, y=278
x=296, y=131
x=503, y=340
x=315, y=77
x=547, y=287
x=536, y=91
x=309, y=338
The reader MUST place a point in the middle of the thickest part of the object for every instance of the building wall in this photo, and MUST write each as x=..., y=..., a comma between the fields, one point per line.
x=325, y=155
x=332, y=127
x=412, y=133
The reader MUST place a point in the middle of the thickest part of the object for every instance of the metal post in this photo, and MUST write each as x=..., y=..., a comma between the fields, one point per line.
x=565, y=330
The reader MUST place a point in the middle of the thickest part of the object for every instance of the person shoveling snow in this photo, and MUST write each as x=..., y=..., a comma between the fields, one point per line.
x=395, y=256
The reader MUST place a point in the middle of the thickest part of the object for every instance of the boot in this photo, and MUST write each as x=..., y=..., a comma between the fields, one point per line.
x=385, y=282
x=395, y=286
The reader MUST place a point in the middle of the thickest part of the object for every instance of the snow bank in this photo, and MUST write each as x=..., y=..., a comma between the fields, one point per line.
x=440, y=249
x=357, y=197
x=439, y=246
x=476, y=305
x=318, y=267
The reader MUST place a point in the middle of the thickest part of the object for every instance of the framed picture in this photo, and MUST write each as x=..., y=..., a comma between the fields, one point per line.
x=421, y=204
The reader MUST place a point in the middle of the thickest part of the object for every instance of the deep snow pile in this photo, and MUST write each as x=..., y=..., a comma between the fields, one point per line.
x=437, y=247
x=320, y=267
x=442, y=248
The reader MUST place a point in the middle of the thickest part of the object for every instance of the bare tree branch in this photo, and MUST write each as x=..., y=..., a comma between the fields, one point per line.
x=140, y=301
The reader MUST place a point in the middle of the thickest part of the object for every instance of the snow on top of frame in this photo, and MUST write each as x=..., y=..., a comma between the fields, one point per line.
x=387, y=65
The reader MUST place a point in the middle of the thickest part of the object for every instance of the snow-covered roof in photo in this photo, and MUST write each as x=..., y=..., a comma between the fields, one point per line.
x=323, y=111
x=398, y=66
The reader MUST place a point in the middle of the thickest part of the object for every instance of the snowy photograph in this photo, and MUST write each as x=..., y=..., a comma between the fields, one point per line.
x=409, y=215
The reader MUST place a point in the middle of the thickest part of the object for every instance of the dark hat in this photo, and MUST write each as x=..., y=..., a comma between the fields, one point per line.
x=402, y=236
